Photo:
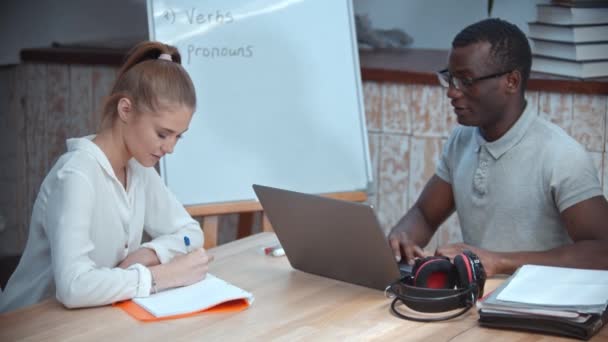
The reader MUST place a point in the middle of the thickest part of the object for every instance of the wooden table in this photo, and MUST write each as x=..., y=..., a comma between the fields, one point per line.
x=290, y=305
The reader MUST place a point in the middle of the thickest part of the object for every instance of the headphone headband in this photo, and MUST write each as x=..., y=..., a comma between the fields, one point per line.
x=433, y=300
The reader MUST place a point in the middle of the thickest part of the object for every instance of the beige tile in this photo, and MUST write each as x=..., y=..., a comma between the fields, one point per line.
x=532, y=99
x=588, y=121
x=424, y=154
x=427, y=111
x=393, y=179
x=450, y=117
x=374, y=140
x=397, y=114
x=372, y=98
x=557, y=108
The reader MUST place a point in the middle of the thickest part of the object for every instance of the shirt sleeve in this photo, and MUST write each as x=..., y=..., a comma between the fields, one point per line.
x=79, y=281
x=574, y=177
x=167, y=221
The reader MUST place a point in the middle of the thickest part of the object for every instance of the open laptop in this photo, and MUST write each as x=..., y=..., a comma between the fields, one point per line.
x=331, y=238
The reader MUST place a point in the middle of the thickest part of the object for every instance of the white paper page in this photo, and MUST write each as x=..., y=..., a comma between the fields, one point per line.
x=207, y=293
x=546, y=285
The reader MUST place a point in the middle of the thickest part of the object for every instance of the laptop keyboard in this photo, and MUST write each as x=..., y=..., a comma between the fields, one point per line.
x=405, y=269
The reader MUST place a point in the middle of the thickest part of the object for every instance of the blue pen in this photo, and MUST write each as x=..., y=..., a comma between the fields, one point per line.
x=187, y=243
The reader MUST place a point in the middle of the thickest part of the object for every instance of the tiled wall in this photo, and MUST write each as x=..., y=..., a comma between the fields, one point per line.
x=408, y=125
x=43, y=104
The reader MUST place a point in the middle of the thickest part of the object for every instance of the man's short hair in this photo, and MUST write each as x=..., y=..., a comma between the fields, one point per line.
x=509, y=45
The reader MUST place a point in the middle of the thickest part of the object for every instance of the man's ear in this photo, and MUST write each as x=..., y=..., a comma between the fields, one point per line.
x=124, y=109
x=514, y=81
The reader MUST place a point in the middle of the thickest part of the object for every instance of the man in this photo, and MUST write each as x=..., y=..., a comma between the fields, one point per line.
x=525, y=192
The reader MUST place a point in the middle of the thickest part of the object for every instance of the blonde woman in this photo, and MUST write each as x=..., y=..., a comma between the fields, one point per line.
x=84, y=244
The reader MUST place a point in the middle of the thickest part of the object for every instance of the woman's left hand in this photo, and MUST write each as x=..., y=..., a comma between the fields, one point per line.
x=144, y=256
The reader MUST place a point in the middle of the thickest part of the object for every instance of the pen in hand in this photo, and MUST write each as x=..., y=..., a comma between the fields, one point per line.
x=187, y=243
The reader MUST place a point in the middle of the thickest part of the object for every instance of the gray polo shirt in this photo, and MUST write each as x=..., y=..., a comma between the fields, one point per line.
x=509, y=193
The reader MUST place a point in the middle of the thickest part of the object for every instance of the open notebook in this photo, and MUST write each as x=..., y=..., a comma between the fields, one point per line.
x=211, y=294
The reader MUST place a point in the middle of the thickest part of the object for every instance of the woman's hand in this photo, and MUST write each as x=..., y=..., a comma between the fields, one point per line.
x=144, y=256
x=183, y=270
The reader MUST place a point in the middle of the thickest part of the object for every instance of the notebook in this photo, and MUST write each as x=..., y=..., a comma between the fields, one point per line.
x=555, y=300
x=557, y=286
x=332, y=238
x=178, y=302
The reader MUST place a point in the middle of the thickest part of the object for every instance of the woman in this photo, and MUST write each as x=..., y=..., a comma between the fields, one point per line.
x=84, y=242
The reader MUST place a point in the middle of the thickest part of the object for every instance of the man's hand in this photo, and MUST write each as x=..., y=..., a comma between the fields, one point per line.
x=404, y=249
x=490, y=260
x=416, y=228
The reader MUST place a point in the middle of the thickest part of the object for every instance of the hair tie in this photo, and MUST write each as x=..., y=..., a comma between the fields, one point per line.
x=166, y=57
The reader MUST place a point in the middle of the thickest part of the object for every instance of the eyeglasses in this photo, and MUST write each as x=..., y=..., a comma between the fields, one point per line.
x=446, y=79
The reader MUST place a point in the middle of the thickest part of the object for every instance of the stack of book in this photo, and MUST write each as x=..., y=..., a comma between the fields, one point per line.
x=570, y=38
x=555, y=300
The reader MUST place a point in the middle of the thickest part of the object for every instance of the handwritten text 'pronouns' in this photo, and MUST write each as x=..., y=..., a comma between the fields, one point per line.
x=219, y=52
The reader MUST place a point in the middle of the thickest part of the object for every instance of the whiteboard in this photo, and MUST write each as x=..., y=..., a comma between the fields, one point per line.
x=279, y=98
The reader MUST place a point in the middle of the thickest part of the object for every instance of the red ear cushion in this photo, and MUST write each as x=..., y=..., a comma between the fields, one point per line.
x=463, y=268
x=435, y=273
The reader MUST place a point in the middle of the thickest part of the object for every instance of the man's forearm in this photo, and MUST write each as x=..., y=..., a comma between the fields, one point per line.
x=591, y=254
x=415, y=225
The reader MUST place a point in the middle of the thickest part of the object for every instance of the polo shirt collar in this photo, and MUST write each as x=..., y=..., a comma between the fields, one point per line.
x=511, y=138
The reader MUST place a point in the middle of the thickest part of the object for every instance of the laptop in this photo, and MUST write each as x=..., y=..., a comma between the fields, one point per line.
x=332, y=238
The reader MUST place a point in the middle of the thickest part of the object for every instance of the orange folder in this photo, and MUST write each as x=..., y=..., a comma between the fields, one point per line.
x=141, y=314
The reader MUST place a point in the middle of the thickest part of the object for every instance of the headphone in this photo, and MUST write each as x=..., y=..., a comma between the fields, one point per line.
x=436, y=285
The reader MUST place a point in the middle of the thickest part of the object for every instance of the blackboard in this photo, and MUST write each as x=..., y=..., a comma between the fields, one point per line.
x=279, y=97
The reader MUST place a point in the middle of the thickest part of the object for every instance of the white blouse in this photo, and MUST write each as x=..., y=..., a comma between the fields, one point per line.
x=84, y=224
